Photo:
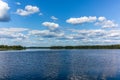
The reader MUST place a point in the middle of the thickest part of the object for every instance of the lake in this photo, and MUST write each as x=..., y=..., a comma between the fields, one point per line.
x=84, y=64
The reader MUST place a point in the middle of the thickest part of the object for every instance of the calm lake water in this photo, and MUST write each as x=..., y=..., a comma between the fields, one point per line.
x=60, y=65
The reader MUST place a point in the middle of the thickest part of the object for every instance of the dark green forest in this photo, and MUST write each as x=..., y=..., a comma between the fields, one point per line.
x=15, y=47
x=18, y=47
x=87, y=47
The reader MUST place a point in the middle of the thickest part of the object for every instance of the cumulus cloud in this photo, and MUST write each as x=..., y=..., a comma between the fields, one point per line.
x=12, y=33
x=29, y=9
x=102, y=21
x=93, y=36
x=84, y=34
x=51, y=25
x=54, y=18
x=13, y=30
x=91, y=33
x=46, y=33
x=81, y=20
x=4, y=11
x=101, y=18
x=96, y=35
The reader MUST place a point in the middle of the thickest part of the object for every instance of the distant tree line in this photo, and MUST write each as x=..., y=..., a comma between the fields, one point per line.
x=37, y=47
x=18, y=47
x=87, y=47
x=15, y=47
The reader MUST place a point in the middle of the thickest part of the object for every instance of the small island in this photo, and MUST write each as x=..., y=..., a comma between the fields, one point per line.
x=14, y=47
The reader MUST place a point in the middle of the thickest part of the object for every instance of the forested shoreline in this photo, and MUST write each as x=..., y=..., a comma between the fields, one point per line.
x=18, y=47
x=87, y=47
x=14, y=47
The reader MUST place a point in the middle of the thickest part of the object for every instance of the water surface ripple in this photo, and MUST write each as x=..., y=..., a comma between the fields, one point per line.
x=60, y=65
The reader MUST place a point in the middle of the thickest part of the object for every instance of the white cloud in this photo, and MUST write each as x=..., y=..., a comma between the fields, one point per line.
x=96, y=35
x=85, y=34
x=40, y=14
x=101, y=18
x=4, y=11
x=88, y=31
x=81, y=20
x=109, y=24
x=79, y=37
x=113, y=33
x=54, y=18
x=13, y=30
x=12, y=33
x=104, y=23
x=18, y=3
x=37, y=32
x=100, y=21
x=51, y=25
x=28, y=10
x=45, y=33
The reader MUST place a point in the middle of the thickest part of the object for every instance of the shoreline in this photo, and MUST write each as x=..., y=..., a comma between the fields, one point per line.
x=79, y=47
x=18, y=47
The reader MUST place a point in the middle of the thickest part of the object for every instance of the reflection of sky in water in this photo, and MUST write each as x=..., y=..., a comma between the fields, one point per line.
x=94, y=64
x=3, y=67
x=60, y=65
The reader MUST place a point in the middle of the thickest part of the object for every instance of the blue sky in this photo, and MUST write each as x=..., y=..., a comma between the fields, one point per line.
x=59, y=22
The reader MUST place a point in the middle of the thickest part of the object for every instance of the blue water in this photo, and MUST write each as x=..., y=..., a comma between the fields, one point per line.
x=60, y=65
